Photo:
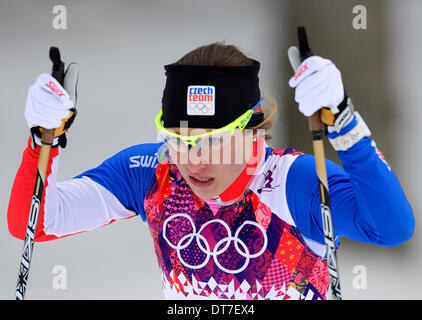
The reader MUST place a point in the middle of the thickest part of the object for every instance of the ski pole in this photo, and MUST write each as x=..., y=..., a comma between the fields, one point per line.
x=316, y=128
x=47, y=139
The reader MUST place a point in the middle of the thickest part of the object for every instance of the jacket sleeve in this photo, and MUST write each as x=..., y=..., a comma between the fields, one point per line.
x=112, y=191
x=368, y=203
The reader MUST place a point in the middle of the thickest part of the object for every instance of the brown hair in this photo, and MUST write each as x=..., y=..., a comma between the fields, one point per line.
x=220, y=54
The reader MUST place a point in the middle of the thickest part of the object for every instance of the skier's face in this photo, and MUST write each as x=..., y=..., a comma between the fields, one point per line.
x=209, y=172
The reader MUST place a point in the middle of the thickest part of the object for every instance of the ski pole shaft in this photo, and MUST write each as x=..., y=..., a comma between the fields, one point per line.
x=47, y=139
x=327, y=220
x=316, y=128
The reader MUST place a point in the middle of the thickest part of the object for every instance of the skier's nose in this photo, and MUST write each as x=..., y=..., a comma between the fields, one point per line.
x=196, y=163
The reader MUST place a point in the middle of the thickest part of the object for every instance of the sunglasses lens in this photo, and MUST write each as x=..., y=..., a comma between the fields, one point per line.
x=177, y=144
x=173, y=142
x=215, y=141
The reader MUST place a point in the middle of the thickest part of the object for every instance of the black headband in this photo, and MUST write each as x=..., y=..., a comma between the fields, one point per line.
x=210, y=96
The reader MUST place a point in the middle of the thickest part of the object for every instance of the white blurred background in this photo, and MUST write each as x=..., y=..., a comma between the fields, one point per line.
x=122, y=46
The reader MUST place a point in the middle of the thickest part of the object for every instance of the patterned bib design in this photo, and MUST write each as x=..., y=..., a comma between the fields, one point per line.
x=242, y=251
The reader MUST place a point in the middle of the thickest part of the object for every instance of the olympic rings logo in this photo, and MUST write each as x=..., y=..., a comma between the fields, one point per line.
x=200, y=107
x=220, y=247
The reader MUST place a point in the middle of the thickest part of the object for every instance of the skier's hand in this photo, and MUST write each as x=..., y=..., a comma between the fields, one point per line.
x=47, y=103
x=318, y=84
x=50, y=106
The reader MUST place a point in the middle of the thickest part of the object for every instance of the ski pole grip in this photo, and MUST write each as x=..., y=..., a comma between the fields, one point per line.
x=47, y=136
x=314, y=122
x=58, y=65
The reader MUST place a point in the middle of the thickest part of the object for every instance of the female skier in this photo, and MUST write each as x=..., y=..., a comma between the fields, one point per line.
x=230, y=217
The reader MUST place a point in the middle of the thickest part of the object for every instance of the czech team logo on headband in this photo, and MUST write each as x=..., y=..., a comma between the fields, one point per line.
x=201, y=101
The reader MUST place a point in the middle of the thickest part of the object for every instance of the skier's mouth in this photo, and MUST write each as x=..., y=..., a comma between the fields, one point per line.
x=202, y=182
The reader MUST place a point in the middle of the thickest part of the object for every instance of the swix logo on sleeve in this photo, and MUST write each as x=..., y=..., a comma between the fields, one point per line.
x=53, y=87
x=201, y=101
x=143, y=161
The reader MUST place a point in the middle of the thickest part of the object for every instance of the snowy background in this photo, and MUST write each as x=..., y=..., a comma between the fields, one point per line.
x=121, y=47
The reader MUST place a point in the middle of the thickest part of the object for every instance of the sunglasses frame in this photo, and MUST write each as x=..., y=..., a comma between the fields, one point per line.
x=240, y=123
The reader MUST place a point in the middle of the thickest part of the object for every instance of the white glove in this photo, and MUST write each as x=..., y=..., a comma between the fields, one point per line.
x=318, y=84
x=47, y=103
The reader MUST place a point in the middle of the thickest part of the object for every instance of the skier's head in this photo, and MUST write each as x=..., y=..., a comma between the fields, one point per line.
x=213, y=114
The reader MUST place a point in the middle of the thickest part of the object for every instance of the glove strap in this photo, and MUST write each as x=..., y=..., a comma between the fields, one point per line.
x=346, y=141
x=346, y=109
x=343, y=114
